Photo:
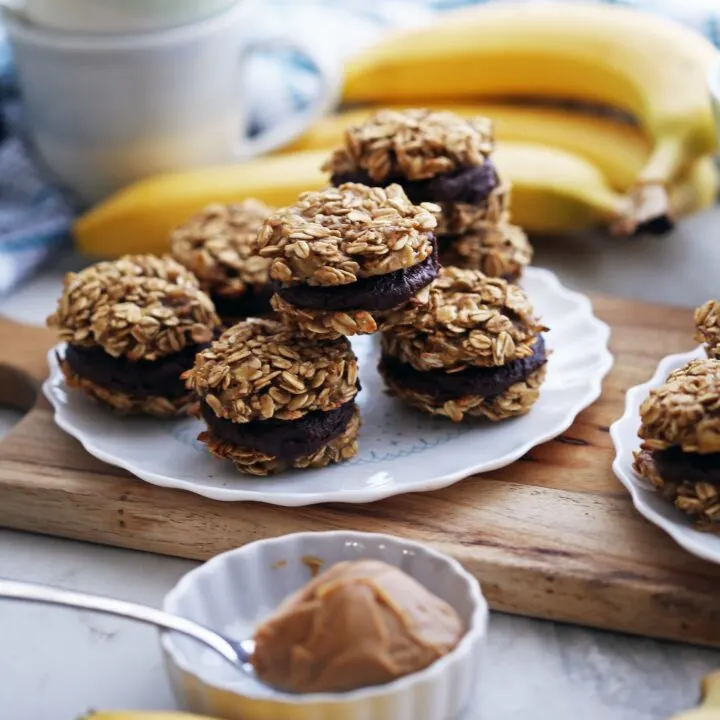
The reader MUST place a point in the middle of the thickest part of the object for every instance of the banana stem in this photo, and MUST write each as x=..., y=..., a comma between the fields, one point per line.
x=648, y=205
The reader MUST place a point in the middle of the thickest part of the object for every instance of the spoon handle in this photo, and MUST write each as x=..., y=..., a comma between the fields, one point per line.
x=13, y=590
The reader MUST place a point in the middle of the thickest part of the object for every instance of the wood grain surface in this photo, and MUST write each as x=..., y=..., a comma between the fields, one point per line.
x=552, y=536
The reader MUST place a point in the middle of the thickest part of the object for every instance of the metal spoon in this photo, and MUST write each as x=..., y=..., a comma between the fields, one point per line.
x=239, y=654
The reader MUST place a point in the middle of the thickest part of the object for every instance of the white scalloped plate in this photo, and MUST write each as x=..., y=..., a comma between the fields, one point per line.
x=401, y=450
x=647, y=500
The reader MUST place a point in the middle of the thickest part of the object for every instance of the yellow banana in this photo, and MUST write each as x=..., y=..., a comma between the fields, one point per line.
x=696, y=189
x=619, y=150
x=710, y=707
x=140, y=217
x=143, y=715
x=553, y=191
x=709, y=710
x=639, y=63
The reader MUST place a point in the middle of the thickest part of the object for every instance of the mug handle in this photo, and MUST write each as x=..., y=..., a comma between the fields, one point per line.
x=292, y=127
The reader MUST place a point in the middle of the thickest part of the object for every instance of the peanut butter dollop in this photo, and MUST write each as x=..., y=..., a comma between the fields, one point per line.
x=357, y=624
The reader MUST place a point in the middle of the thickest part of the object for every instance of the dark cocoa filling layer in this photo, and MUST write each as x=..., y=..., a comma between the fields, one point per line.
x=140, y=379
x=675, y=466
x=283, y=439
x=467, y=185
x=485, y=382
x=254, y=302
x=382, y=292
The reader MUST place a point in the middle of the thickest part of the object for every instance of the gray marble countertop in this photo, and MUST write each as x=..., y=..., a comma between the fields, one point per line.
x=56, y=664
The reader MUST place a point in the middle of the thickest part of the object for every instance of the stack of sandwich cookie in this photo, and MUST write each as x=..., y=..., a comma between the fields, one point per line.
x=273, y=399
x=441, y=158
x=344, y=257
x=475, y=349
x=133, y=327
x=680, y=450
x=217, y=245
x=707, y=327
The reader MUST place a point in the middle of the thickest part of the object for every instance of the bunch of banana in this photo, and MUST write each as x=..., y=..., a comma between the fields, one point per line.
x=570, y=170
x=641, y=64
x=143, y=715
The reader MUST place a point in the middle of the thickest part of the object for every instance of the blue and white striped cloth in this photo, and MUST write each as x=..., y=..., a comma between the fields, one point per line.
x=34, y=218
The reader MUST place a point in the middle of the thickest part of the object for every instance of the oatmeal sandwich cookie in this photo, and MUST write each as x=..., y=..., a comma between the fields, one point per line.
x=342, y=258
x=707, y=327
x=497, y=250
x=217, y=245
x=680, y=450
x=132, y=327
x=273, y=399
x=476, y=349
x=436, y=157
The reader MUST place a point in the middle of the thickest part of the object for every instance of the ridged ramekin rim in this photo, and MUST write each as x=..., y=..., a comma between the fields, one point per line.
x=460, y=655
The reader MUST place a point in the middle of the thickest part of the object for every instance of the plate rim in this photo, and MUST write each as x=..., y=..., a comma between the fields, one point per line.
x=373, y=494
x=623, y=468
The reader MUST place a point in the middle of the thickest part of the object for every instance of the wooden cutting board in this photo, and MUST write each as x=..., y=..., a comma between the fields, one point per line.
x=552, y=536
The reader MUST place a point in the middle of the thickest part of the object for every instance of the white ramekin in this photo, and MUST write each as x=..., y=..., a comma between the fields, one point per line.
x=235, y=591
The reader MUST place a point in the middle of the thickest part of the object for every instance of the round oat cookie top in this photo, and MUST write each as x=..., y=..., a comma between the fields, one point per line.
x=414, y=144
x=259, y=369
x=218, y=246
x=337, y=235
x=707, y=327
x=471, y=319
x=141, y=306
x=684, y=410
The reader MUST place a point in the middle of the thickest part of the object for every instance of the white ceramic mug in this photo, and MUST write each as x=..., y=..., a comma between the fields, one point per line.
x=115, y=16
x=104, y=111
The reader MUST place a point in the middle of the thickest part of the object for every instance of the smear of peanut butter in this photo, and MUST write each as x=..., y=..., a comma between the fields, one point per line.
x=357, y=624
x=314, y=563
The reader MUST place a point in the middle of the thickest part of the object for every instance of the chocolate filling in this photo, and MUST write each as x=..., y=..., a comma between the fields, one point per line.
x=283, y=439
x=140, y=379
x=254, y=302
x=675, y=466
x=485, y=382
x=382, y=292
x=466, y=185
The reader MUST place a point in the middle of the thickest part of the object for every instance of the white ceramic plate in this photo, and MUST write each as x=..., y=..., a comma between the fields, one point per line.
x=647, y=501
x=401, y=450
